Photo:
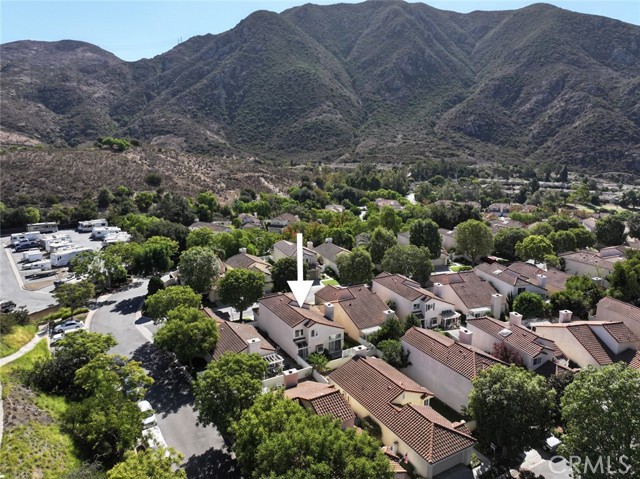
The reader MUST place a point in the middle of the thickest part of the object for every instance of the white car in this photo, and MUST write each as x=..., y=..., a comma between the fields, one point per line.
x=69, y=325
x=155, y=440
x=149, y=416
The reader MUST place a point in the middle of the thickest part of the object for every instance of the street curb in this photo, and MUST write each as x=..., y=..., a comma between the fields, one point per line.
x=87, y=321
x=14, y=268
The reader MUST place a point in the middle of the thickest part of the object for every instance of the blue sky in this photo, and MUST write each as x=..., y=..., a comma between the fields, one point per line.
x=145, y=28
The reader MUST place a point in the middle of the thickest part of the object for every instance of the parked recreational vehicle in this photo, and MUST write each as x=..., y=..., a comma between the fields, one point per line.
x=17, y=238
x=86, y=226
x=58, y=238
x=112, y=238
x=100, y=232
x=32, y=255
x=63, y=257
x=57, y=245
x=42, y=265
x=49, y=227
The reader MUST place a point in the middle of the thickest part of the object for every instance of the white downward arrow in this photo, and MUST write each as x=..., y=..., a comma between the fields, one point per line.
x=300, y=288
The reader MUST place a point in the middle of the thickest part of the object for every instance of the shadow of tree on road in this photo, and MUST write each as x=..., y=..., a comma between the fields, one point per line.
x=172, y=387
x=128, y=306
x=212, y=464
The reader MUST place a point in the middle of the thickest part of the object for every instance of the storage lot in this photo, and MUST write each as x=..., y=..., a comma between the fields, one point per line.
x=34, y=284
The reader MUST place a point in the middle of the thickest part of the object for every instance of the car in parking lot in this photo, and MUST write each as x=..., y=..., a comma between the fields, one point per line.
x=67, y=326
x=26, y=245
x=7, y=306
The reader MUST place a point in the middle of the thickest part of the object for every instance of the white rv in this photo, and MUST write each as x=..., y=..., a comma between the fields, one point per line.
x=63, y=257
x=86, y=226
x=17, y=238
x=48, y=227
x=42, y=265
x=32, y=255
x=59, y=238
x=100, y=232
x=112, y=238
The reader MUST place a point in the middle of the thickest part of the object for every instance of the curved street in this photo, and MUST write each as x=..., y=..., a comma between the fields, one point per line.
x=205, y=453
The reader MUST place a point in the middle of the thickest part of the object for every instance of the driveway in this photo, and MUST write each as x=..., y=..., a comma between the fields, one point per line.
x=205, y=453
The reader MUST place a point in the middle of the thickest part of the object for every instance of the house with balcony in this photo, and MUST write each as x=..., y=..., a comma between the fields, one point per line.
x=445, y=366
x=408, y=297
x=533, y=349
x=409, y=427
x=357, y=309
x=299, y=331
x=472, y=296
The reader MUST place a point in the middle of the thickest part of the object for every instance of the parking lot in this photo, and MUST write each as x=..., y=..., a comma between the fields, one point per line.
x=12, y=267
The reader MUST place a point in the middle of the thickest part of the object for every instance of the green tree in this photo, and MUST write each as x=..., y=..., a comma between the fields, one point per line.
x=201, y=237
x=600, y=410
x=227, y=387
x=534, y=247
x=540, y=229
x=104, y=269
x=278, y=438
x=198, y=268
x=240, y=288
x=355, y=267
x=105, y=197
x=144, y=200
x=381, y=240
x=285, y=269
x=188, y=333
x=57, y=374
x=149, y=463
x=473, y=239
x=342, y=238
x=505, y=241
x=155, y=285
x=563, y=177
x=75, y=295
x=390, y=220
x=409, y=260
x=318, y=361
x=391, y=328
x=569, y=299
x=609, y=231
x=529, y=305
x=583, y=237
x=633, y=222
x=156, y=255
x=562, y=241
x=174, y=208
x=512, y=409
x=157, y=306
x=425, y=233
x=106, y=374
x=393, y=353
x=624, y=281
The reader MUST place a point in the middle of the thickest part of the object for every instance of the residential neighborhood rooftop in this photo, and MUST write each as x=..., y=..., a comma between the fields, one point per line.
x=324, y=399
x=286, y=308
x=233, y=337
x=474, y=292
x=365, y=308
x=619, y=307
x=329, y=250
x=403, y=286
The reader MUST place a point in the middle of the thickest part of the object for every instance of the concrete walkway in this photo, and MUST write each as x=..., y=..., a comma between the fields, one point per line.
x=24, y=349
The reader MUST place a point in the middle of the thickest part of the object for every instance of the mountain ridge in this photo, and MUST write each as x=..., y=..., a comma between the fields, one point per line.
x=383, y=81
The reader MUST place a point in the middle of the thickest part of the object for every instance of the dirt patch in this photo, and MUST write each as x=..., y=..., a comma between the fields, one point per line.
x=36, y=285
x=20, y=408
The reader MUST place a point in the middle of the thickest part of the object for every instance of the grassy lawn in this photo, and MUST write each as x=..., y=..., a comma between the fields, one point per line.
x=33, y=444
x=460, y=267
x=18, y=337
x=328, y=282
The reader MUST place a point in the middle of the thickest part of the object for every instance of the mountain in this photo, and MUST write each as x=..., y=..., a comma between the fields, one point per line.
x=382, y=80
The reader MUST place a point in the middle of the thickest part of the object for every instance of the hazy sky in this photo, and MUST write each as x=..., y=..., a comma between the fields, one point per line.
x=143, y=28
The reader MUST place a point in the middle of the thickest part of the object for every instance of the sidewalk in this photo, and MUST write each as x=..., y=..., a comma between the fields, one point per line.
x=24, y=349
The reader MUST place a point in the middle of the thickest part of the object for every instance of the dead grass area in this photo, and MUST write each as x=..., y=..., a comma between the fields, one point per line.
x=69, y=173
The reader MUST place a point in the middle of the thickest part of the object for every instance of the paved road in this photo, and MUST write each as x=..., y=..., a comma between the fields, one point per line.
x=11, y=289
x=203, y=447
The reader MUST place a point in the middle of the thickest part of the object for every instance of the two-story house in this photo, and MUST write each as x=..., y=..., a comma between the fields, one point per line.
x=445, y=366
x=611, y=309
x=298, y=331
x=410, y=427
x=324, y=400
x=329, y=252
x=533, y=349
x=408, y=297
x=472, y=296
x=287, y=249
x=588, y=263
x=280, y=222
x=357, y=309
x=511, y=282
x=243, y=260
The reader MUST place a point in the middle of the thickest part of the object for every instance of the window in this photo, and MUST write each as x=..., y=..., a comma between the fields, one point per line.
x=335, y=345
x=303, y=352
x=416, y=306
x=298, y=333
x=537, y=361
x=314, y=333
x=319, y=348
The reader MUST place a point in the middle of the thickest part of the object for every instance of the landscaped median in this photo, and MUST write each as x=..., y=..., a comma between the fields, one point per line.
x=33, y=444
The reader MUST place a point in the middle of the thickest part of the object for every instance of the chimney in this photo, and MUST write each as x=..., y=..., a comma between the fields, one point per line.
x=329, y=308
x=465, y=336
x=597, y=280
x=328, y=240
x=388, y=313
x=542, y=281
x=437, y=289
x=515, y=318
x=242, y=250
x=310, y=244
x=565, y=316
x=497, y=305
x=254, y=345
x=290, y=378
x=360, y=350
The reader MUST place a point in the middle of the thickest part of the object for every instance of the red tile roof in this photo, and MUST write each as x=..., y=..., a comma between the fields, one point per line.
x=522, y=339
x=403, y=286
x=287, y=309
x=325, y=399
x=473, y=291
x=635, y=361
x=376, y=385
x=591, y=343
x=620, y=332
x=233, y=338
x=330, y=251
x=625, y=310
x=461, y=358
x=364, y=308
